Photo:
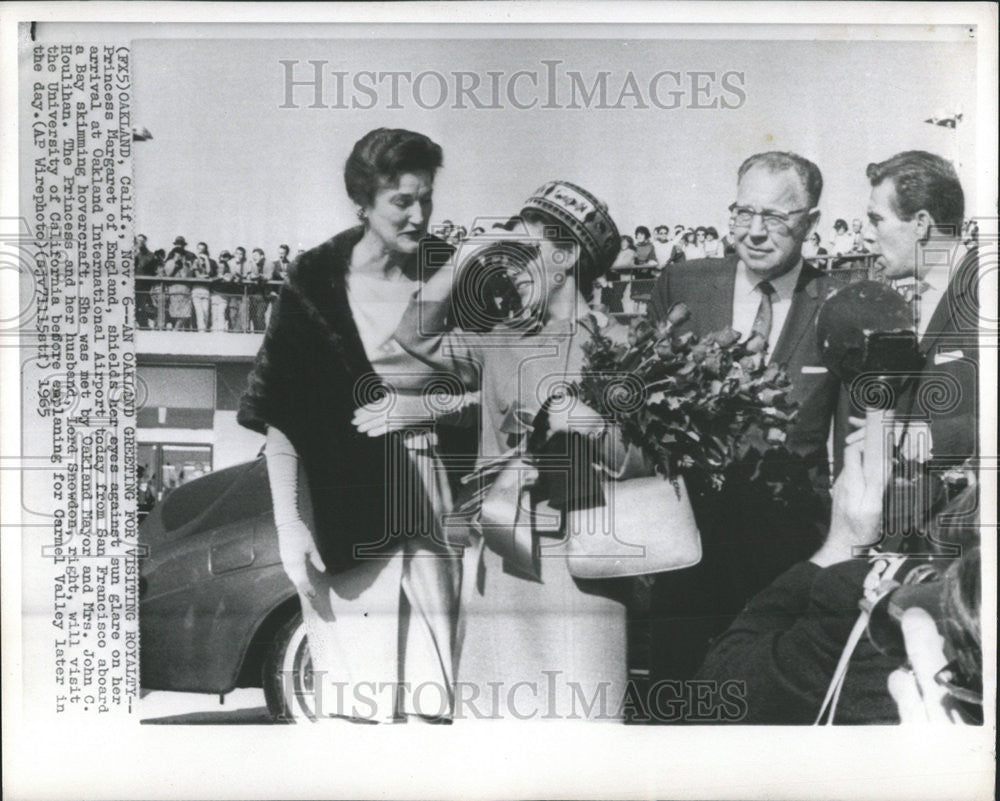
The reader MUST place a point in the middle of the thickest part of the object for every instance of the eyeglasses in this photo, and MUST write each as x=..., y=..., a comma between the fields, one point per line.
x=742, y=217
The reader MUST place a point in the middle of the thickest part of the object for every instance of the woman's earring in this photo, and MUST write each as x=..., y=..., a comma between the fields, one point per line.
x=362, y=215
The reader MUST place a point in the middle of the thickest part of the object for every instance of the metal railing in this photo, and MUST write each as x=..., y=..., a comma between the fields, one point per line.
x=848, y=267
x=628, y=297
x=244, y=307
x=203, y=304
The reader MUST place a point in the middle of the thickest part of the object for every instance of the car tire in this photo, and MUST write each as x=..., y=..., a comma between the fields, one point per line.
x=287, y=674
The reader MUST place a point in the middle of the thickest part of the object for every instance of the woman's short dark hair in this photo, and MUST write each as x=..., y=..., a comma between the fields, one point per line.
x=923, y=181
x=381, y=156
x=586, y=271
x=710, y=231
x=629, y=240
x=642, y=229
x=840, y=225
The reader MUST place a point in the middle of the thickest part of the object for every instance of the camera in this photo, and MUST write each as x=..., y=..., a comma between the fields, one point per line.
x=951, y=596
x=866, y=334
x=500, y=274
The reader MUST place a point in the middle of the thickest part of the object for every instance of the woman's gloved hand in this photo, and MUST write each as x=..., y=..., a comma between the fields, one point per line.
x=297, y=549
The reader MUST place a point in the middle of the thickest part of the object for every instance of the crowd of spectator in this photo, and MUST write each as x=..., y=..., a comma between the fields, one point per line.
x=645, y=253
x=235, y=293
x=231, y=293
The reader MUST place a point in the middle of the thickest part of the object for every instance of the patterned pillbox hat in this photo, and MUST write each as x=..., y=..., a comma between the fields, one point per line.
x=584, y=215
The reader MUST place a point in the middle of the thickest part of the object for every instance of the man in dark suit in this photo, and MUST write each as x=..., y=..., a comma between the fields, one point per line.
x=784, y=648
x=915, y=215
x=764, y=288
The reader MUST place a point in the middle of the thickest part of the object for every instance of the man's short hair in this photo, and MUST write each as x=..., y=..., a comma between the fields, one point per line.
x=663, y=228
x=923, y=181
x=284, y=247
x=258, y=250
x=642, y=229
x=778, y=161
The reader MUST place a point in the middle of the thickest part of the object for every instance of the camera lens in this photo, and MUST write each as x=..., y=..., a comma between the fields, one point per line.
x=486, y=294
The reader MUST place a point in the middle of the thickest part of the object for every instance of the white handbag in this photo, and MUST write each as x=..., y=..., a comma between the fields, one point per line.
x=646, y=525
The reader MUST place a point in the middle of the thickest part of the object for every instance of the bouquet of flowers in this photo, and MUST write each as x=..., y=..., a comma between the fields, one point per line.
x=694, y=406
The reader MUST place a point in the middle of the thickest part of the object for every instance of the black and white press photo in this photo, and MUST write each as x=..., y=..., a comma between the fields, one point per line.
x=601, y=395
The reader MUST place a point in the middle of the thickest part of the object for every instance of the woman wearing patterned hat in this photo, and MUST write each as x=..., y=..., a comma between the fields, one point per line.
x=537, y=643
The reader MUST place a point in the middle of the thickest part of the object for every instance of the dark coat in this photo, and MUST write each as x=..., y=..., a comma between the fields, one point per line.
x=706, y=286
x=748, y=539
x=784, y=648
x=946, y=392
x=307, y=380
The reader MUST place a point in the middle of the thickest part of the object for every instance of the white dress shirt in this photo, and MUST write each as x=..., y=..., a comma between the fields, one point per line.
x=935, y=284
x=746, y=301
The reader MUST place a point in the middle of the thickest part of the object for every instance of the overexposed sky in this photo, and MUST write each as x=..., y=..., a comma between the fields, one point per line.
x=229, y=166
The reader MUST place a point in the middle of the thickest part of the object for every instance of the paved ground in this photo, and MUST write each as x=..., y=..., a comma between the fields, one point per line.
x=240, y=707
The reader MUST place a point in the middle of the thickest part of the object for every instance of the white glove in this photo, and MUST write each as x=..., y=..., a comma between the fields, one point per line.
x=296, y=544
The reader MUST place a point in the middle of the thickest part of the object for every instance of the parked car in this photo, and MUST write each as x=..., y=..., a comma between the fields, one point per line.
x=216, y=608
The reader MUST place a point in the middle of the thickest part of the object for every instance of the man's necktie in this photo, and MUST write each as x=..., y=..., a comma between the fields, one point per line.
x=912, y=294
x=765, y=312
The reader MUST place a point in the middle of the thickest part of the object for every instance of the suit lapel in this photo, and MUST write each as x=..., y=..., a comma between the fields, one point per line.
x=717, y=305
x=805, y=303
x=947, y=317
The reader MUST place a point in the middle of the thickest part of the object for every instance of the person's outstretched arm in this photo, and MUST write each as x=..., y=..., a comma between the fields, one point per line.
x=425, y=331
x=296, y=543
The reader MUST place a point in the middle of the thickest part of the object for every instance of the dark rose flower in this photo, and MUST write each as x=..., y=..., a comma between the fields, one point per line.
x=639, y=331
x=755, y=344
x=664, y=348
x=699, y=354
x=773, y=397
x=715, y=363
x=679, y=313
x=725, y=338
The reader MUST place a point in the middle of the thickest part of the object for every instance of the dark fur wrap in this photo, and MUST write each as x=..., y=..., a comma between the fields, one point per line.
x=305, y=381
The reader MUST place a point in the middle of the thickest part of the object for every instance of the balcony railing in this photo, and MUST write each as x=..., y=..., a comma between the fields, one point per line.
x=628, y=298
x=244, y=307
x=203, y=304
